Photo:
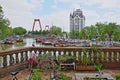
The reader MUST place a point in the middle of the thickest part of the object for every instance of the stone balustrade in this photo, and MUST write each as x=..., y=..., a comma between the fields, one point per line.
x=11, y=60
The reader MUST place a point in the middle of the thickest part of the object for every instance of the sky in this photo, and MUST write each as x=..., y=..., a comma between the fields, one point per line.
x=56, y=12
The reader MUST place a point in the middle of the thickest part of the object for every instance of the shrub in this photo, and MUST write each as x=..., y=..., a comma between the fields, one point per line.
x=117, y=76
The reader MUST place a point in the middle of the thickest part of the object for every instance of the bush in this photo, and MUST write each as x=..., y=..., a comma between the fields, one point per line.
x=65, y=77
x=66, y=59
x=36, y=75
x=117, y=76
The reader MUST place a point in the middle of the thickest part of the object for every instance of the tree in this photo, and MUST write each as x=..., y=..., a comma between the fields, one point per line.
x=56, y=30
x=45, y=32
x=91, y=32
x=5, y=30
x=116, y=35
x=19, y=31
x=101, y=30
x=109, y=29
x=74, y=34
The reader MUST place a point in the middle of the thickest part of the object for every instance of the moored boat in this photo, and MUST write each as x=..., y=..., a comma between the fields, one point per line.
x=9, y=41
x=19, y=40
x=38, y=40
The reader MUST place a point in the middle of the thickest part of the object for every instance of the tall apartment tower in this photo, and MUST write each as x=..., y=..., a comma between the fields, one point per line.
x=77, y=20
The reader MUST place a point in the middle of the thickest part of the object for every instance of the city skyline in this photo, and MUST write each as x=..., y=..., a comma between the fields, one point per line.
x=56, y=12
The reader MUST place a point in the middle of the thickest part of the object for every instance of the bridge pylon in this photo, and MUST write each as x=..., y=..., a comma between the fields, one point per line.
x=37, y=20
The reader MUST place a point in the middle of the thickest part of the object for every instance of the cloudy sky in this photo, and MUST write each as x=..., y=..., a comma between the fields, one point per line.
x=56, y=12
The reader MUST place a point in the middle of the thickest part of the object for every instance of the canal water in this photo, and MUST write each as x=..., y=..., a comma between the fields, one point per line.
x=26, y=43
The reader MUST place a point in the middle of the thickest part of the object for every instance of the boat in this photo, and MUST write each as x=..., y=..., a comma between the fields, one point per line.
x=9, y=41
x=48, y=43
x=38, y=40
x=19, y=40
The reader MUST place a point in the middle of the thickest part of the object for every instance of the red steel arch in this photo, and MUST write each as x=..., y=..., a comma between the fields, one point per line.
x=37, y=20
x=47, y=27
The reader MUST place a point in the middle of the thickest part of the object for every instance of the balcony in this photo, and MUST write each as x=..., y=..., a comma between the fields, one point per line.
x=17, y=59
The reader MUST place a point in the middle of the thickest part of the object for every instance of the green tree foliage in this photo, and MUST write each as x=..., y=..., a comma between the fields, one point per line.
x=45, y=32
x=83, y=34
x=36, y=32
x=110, y=28
x=116, y=35
x=74, y=34
x=19, y=31
x=117, y=76
x=5, y=30
x=101, y=30
x=56, y=30
x=91, y=32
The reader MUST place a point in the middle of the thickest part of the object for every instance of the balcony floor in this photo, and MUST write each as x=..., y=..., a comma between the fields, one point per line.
x=22, y=75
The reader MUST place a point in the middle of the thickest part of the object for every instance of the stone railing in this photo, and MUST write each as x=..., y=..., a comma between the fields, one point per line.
x=17, y=59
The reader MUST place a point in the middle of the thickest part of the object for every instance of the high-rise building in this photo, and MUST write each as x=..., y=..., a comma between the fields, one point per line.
x=77, y=20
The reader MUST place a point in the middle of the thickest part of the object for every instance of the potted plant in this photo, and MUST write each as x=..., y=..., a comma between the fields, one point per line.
x=66, y=58
x=84, y=62
x=117, y=76
x=66, y=62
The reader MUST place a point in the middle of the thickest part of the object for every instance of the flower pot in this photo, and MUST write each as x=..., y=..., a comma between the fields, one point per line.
x=85, y=67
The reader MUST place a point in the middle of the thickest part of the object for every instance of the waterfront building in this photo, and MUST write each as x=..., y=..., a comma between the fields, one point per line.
x=77, y=20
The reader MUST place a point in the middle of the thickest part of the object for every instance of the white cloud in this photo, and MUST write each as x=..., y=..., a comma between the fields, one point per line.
x=111, y=17
x=20, y=12
x=91, y=17
x=110, y=4
x=59, y=18
x=101, y=3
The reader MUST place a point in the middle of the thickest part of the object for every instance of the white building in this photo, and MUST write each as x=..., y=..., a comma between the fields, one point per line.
x=77, y=20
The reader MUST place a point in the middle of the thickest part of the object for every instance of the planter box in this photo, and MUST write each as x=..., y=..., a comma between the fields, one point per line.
x=85, y=68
